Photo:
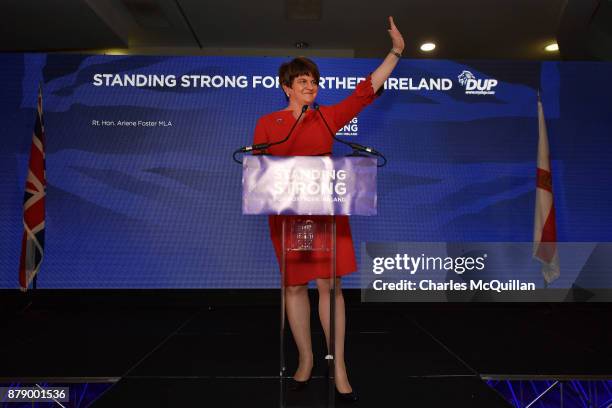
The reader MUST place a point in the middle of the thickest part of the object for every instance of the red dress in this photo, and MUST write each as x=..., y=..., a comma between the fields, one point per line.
x=311, y=138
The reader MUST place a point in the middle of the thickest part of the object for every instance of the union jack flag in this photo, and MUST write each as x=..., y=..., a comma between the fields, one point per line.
x=33, y=240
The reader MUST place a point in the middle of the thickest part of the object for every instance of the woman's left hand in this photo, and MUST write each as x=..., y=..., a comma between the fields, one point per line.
x=380, y=74
x=396, y=37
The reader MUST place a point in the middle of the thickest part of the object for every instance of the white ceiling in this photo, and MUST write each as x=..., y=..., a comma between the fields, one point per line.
x=466, y=29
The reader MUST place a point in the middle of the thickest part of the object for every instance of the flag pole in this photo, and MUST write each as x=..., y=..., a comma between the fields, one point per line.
x=38, y=106
x=38, y=102
x=545, y=231
x=33, y=238
x=539, y=101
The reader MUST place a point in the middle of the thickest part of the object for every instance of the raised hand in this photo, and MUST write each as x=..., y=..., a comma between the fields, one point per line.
x=397, y=40
x=380, y=74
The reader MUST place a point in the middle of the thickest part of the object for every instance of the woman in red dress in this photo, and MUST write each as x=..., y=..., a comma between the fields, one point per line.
x=300, y=79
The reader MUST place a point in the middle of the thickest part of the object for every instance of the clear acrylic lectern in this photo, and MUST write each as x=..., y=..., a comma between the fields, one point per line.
x=309, y=192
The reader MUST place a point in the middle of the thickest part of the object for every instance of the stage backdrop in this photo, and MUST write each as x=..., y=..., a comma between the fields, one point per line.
x=143, y=193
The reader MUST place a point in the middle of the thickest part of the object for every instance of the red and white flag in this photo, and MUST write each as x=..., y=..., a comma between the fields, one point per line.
x=33, y=240
x=545, y=225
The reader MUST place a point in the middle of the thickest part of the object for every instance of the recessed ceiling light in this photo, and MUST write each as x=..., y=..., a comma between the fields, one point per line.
x=552, y=47
x=427, y=47
x=116, y=51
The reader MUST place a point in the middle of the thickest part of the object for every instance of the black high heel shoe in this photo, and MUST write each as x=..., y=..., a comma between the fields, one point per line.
x=295, y=385
x=347, y=397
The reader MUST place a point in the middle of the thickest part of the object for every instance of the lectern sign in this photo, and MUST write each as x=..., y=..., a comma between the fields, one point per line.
x=309, y=185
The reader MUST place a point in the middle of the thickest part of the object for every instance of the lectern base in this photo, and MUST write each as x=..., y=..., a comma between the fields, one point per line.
x=300, y=234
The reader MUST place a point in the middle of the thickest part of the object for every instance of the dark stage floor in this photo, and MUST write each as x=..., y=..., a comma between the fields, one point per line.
x=220, y=348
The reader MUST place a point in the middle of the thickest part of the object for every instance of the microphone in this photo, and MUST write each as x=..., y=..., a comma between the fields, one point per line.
x=247, y=149
x=263, y=146
x=355, y=146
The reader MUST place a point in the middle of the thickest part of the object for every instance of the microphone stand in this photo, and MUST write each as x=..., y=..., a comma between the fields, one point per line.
x=264, y=146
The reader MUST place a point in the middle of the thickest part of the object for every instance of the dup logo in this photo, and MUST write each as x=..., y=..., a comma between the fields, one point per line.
x=474, y=86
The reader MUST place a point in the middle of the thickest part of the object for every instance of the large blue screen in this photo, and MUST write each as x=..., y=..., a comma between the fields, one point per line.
x=143, y=206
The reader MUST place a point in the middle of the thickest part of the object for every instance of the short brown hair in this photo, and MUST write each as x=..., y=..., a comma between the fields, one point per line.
x=296, y=67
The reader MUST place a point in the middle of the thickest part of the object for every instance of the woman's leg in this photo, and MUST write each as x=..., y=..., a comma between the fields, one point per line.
x=298, y=314
x=342, y=382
